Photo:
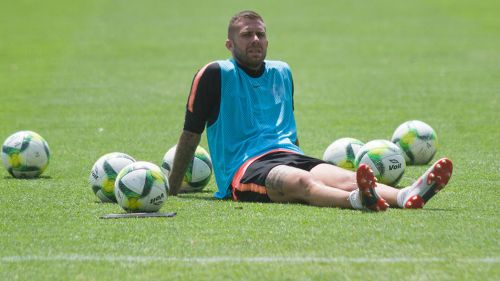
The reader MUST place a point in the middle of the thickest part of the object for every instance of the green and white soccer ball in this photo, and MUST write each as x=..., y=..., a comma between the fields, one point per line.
x=141, y=187
x=342, y=152
x=417, y=140
x=385, y=159
x=199, y=170
x=104, y=172
x=25, y=154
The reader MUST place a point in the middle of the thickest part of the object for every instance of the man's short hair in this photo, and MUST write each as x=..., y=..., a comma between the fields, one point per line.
x=247, y=14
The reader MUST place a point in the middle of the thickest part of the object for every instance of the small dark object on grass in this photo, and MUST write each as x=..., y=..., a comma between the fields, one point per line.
x=138, y=215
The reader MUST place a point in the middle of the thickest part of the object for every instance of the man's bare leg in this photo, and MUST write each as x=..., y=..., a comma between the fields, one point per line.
x=288, y=184
x=293, y=185
x=413, y=196
x=336, y=177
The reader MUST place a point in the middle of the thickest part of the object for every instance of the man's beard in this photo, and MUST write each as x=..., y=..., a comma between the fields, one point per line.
x=245, y=59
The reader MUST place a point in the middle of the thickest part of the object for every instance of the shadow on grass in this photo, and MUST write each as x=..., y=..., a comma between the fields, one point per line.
x=200, y=195
x=100, y=202
x=435, y=210
x=412, y=210
x=36, y=178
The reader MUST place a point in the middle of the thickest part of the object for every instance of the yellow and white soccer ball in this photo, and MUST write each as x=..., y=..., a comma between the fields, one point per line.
x=104, y=172
x=342, y=152
x=25, y=154
x=385, y=159
x=141, y=187
x=417, y=140
x=199, y=170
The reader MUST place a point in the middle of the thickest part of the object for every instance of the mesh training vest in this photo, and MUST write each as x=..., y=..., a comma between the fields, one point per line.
x=256, y=116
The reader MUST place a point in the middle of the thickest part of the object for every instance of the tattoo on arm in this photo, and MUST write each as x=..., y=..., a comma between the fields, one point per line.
x=184, y=153
x=276, y=178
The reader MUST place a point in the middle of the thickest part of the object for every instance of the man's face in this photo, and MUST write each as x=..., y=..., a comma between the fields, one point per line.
x=248, y=42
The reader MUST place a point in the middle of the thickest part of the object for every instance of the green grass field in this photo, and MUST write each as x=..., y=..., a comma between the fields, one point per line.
x=98, y=76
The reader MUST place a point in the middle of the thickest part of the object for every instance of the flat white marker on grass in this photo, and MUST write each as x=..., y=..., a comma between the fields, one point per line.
x=138, y=215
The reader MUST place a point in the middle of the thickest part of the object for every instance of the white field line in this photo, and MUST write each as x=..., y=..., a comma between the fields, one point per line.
x=237, y=260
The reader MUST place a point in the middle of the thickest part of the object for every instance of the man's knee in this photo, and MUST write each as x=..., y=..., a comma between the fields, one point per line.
x=306, y=184
x=334, y=176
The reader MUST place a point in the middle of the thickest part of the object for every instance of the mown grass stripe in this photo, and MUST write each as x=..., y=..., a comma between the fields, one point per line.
x=232, y=259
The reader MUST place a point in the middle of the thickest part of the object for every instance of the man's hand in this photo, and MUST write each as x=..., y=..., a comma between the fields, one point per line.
x=186, y=147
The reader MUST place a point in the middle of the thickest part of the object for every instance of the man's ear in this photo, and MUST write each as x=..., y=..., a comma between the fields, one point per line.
x=229, y=45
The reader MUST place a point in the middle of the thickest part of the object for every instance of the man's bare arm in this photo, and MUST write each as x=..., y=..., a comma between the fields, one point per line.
x=186, y=147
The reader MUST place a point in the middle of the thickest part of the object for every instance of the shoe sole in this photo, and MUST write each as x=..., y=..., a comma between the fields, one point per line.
x=437, y=178
x=367, y=184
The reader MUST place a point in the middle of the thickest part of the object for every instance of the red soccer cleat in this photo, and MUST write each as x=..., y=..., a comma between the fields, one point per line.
x=366, y=184
x=430, y=183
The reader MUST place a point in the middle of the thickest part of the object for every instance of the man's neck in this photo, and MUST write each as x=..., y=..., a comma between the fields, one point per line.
x=252, y=72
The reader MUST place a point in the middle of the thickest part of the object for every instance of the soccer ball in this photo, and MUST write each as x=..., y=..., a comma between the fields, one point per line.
x=103, y=174
x=141, y=187
x=199, y=170
x=342, y=152
x=25, y=154
x=385, y=159
x=417, y=140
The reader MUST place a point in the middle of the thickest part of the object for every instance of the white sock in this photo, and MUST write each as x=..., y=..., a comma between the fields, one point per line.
x=401, y=197
x=355, y=200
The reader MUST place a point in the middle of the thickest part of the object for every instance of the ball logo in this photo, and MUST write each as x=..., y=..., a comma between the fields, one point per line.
x=94, y=173
x=157, y=200
x=166, y=166
x=395, y=164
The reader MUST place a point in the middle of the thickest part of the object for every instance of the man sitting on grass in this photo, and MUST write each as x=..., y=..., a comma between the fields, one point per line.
x=246, y=104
